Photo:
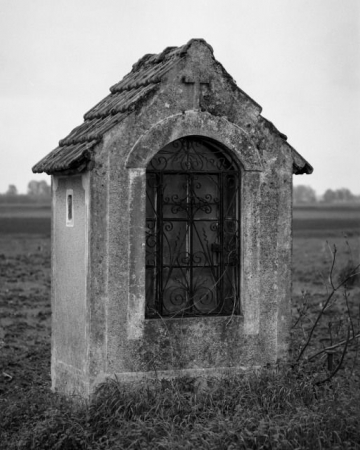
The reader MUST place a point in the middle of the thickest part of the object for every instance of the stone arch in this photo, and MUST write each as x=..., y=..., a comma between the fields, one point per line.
x=200, y=124
x=191, y=123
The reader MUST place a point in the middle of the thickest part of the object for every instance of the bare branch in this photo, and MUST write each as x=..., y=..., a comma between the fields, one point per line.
x=334, y=289
x=332, y=267
x=340, y=363
x=315, y=324
x=333, y=347
x=348, y=311
x=303, y=310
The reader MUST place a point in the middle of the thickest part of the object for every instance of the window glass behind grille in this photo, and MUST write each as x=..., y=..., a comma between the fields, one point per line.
x=192, y=231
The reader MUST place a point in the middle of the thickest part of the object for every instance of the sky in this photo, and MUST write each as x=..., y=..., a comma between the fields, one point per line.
x=299, y=59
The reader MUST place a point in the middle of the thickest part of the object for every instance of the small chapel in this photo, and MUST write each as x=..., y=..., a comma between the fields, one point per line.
x=171, y=229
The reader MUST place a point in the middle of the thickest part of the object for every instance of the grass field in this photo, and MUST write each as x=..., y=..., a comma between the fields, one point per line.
x=25, y=336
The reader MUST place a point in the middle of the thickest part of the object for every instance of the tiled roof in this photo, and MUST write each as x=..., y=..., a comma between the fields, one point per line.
x=75, y=150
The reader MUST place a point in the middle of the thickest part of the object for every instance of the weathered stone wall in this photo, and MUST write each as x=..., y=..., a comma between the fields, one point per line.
x=69, y=286
x=121, y=340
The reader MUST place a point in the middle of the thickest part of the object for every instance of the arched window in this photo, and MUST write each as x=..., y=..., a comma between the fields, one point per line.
x=192, y=230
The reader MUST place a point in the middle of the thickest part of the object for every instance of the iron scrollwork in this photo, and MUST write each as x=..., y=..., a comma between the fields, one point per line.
x=192, y=231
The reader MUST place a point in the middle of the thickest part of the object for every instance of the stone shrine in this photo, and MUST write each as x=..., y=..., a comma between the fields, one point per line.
x=171, y=229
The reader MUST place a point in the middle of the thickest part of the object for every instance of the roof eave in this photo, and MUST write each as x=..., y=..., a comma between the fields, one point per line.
x=300, y=165
x=80, y=164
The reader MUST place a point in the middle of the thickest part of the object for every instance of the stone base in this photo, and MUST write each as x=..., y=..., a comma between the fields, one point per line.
x=69, y=380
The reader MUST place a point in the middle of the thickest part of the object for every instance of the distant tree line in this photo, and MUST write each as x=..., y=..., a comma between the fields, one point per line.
x=306, y=194
x=37, y=192
x=40, y=192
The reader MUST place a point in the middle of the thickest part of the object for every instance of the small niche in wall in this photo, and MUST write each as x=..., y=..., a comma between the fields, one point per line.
x=69, y=208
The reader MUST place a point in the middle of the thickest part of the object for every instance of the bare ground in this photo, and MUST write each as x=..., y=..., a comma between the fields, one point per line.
x=25, y=314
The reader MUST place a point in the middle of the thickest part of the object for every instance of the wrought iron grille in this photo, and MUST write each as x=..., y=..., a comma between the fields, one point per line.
x=192, y=231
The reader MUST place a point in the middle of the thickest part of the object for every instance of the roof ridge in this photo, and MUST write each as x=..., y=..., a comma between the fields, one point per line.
x=168, y=52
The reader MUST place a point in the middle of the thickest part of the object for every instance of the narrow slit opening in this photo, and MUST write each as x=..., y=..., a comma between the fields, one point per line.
x=69, y=208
